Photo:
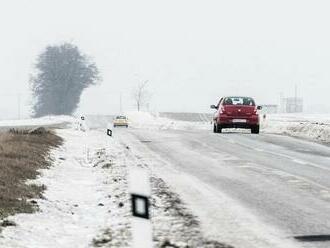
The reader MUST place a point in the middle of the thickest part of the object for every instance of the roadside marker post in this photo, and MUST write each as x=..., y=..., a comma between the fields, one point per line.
x=82, y=124
x=140, y=191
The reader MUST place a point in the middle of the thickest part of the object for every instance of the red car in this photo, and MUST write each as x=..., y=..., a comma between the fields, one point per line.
x=236, y=112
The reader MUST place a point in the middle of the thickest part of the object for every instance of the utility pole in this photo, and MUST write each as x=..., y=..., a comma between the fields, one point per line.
x=19, y=106
x=281, y=103
x=121, y=103
x=295, y=98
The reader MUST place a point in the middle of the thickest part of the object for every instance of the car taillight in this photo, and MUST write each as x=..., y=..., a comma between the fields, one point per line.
x=255, y=110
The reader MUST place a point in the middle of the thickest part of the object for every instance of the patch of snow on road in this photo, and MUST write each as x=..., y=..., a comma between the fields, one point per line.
x=148, y=120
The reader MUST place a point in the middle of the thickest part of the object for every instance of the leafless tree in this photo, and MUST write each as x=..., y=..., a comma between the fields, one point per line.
x=141, y=95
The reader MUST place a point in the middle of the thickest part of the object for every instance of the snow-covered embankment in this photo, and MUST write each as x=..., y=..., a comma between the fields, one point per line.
x=311, y=127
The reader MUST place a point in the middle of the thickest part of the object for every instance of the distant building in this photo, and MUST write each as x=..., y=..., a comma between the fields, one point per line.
x=292, y=104
x=269, y=108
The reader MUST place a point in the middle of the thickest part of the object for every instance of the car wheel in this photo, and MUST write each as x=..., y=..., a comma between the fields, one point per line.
x=255, y=129
x=219, y=128
x=214, y=128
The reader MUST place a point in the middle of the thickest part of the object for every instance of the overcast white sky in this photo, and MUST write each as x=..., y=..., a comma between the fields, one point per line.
x=192, y=52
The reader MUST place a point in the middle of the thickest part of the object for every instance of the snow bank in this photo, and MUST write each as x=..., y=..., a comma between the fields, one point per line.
x=312, y=127
x=78, y=203
x=43, y=121
x=148, y=120
x=300, y=117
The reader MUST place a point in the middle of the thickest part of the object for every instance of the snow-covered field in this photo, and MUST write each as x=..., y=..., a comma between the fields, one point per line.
x=43, y=121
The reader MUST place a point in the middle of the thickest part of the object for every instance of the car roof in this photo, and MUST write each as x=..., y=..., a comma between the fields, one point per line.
x=238, y=96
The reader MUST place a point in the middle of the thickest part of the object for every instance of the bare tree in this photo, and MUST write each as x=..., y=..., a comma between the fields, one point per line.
x=141, y=95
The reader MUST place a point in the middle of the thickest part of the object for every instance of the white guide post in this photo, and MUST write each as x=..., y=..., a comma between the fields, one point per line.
x=140, y=191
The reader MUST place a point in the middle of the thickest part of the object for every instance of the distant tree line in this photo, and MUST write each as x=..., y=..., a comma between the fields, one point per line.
x=62, y=73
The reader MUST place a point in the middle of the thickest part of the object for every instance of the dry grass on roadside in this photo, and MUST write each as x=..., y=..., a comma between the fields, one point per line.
x=22, y=153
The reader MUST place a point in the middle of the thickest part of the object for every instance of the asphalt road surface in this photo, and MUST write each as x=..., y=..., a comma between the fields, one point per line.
x=248, y=190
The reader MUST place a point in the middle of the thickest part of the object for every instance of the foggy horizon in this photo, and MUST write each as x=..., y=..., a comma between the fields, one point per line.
x=191, y=52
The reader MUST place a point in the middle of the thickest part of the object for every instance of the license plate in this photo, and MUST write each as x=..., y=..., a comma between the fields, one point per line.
x=239, y=120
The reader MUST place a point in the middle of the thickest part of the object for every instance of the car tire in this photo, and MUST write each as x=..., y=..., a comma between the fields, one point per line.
x=218, y=128
x=255, y=129
x=214, y=128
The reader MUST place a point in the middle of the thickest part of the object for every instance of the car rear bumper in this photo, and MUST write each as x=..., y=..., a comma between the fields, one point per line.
x=238, y=125
x=120, y=124
x=238, y=121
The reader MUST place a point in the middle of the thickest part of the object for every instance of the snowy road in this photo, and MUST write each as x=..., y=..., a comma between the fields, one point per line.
x=248, y=190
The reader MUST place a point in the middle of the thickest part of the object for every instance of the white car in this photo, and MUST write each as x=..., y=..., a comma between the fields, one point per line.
x=120, y=121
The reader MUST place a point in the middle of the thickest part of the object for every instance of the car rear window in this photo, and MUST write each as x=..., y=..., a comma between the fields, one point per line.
x=247, y=101
x=121, y=117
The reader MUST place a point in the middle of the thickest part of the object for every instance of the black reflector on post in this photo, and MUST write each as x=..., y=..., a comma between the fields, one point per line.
x=140, y=206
